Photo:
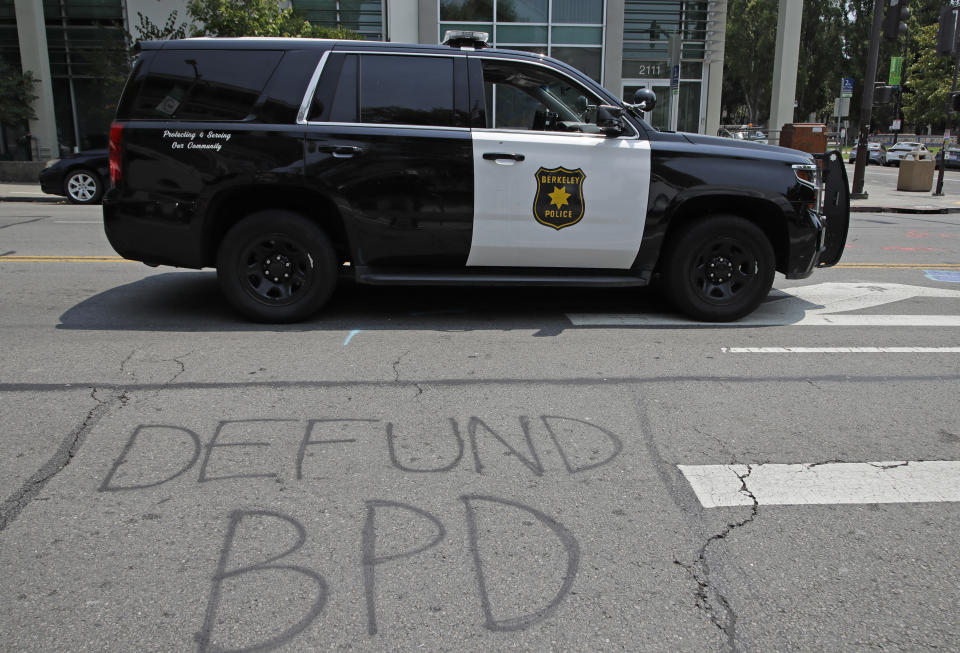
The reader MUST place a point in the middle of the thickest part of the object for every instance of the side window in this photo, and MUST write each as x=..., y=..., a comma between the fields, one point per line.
x=204, y=84
x=523, y=96
x=406, y=90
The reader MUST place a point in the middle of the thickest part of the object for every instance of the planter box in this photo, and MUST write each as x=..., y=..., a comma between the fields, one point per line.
x=915, y=175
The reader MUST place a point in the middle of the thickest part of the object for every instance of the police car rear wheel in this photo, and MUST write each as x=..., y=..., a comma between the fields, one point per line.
x=276, y=266
x=719, y=269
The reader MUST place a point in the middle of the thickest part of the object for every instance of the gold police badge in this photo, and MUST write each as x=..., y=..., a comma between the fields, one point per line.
x=559, y=200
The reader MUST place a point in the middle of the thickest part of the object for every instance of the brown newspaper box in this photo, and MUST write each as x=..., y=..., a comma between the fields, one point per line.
x=915, y=175
x=807, y=137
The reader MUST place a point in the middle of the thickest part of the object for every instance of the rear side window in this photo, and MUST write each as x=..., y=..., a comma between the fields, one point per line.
x=395, y=89
x=203, y=84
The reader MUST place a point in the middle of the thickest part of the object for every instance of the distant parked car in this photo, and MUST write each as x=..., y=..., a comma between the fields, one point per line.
x=81, y=177
x=876, y=153
x=953, y=156
x=907, y=150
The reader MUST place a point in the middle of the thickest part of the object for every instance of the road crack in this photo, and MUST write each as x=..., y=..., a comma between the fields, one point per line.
x=69, y=447
x=719, y=610
x=396, y=375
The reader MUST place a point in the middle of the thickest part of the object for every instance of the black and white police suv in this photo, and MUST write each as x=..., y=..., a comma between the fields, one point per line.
x=281, y=161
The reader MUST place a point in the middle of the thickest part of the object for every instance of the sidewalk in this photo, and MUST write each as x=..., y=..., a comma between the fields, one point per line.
x=882, y=197
x=885, y=198
x=13, y=192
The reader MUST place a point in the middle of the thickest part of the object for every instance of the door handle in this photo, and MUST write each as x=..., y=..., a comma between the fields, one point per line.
x=500, y=156
x=341, y=151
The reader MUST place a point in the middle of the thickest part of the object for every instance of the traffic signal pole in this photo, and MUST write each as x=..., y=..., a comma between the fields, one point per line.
x=866, y=103
x=946, y=141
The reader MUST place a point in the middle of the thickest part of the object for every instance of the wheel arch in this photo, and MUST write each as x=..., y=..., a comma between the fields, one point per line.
x=228, y=208
x=766, y=214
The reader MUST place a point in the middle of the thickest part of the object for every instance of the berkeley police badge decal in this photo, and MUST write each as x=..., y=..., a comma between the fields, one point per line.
x=559, y=201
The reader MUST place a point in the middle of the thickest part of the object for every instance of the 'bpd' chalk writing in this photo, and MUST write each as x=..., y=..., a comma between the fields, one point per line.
x=271, y=566
x=183, y=444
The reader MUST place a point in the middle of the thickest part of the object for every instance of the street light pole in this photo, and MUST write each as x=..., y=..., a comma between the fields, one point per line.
x=866, y=103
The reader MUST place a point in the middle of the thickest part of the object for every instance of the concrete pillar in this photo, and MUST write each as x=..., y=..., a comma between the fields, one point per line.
x=430, y=22
x=403, y=24
x=785, y=64
x=613, y=47
x=32, y=33
x=713, y=64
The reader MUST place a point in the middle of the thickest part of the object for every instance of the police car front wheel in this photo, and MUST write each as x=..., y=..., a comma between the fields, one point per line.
x=276, y=266
x=719, y=269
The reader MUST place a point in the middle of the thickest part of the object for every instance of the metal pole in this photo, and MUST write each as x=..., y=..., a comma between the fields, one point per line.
x=866, y=104
x=953, y=89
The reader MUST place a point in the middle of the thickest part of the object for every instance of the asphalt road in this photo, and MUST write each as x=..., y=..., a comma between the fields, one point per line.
x=473, y=469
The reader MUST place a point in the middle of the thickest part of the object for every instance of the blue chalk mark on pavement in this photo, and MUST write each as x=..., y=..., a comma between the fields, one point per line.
x=950, y=276
x=350, y=337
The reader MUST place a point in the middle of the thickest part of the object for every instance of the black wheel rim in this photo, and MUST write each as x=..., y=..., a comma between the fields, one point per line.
x=275, y=270
x=724, y=270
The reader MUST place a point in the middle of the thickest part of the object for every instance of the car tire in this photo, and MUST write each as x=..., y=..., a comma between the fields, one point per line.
x=720, y=268
x=276, y=267
x=82, y=186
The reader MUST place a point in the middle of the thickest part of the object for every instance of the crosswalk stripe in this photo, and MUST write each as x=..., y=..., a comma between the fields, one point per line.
x=840, y=350
x=771, y=484
x=64, y=259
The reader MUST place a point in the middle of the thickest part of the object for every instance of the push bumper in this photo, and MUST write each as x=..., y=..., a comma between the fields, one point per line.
x=835, y=208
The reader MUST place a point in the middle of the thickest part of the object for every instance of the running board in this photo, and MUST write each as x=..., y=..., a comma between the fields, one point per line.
x=497, y=277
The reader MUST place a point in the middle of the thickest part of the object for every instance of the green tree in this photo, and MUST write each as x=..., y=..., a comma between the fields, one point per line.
x=748, y=59
x=16, y=95
x=147, y=30
x=929, y=78
x=821, y=49
x=256, y=18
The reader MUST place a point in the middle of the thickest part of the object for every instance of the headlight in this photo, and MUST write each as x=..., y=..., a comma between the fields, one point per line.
x=51, y=162
x=808, y=174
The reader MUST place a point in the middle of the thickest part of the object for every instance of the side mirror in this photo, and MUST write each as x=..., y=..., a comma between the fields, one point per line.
x=610, y=119
x=645, y=99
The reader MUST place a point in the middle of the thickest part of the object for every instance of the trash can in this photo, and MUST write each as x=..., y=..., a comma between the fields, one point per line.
x=806, y=137
x=915, y=175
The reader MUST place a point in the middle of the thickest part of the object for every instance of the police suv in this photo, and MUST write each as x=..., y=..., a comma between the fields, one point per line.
x=285, y=163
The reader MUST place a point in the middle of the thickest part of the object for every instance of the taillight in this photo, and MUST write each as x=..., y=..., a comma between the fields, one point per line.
x=116, y=140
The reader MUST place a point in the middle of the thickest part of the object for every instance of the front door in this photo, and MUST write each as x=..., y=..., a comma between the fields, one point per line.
x=550, y=189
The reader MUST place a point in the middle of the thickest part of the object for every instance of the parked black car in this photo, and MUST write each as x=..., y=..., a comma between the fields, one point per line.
x=81, y=178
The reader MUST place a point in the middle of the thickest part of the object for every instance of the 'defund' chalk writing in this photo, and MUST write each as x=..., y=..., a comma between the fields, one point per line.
x=135, y=468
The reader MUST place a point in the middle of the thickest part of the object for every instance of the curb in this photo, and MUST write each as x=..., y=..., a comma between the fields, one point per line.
x=50, y=200
x=896, y=209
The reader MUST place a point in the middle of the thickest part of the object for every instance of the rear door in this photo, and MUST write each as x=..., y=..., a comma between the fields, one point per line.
x=550, y=189
x=387, y=138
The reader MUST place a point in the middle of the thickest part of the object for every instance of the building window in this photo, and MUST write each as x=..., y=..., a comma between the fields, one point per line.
x=365, y=17
x=569, y=30
x=648, y=26
x=89, y=62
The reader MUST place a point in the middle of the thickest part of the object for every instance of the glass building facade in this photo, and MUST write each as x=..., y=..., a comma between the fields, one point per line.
x=365, y=17
x=623, y=44
x=89, y=62
x=647, y=28
x=569, y=30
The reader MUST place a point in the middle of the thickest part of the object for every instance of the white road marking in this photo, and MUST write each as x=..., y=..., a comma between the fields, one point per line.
x=78, y=222
x=814, y=305
x=830, y=483
x=840, y=350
